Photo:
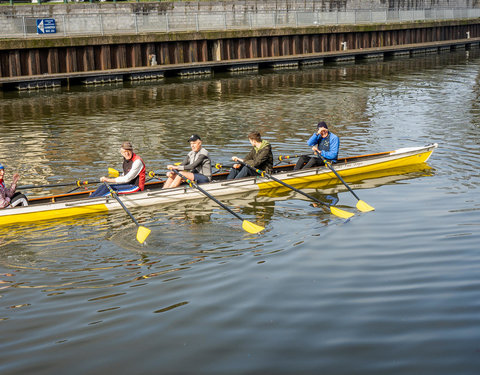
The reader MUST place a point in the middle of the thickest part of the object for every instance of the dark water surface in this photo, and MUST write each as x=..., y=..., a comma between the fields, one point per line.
x=395, y=291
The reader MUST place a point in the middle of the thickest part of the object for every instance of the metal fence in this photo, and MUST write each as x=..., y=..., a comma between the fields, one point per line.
x=118, y=23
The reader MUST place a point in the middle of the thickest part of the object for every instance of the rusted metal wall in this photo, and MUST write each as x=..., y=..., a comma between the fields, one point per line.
x=64, y=56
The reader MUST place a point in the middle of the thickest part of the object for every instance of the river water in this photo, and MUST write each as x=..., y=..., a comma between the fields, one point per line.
x=394, y=291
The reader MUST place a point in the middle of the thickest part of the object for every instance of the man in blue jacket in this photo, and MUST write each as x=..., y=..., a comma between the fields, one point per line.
x=324, y=144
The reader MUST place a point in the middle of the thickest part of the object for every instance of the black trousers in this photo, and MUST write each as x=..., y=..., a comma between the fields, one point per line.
x=306, y=161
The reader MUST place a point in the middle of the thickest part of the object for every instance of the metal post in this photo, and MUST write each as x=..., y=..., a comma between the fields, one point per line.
x=136, y=23
x=166, y=22
x=296, y=19
x=24, y=27
x=101, y=23
x=64, y=25
x=196, y=22
x=225, y=20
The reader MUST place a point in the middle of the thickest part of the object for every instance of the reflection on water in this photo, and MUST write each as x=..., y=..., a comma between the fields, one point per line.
x=375, y=294
x=74, y=134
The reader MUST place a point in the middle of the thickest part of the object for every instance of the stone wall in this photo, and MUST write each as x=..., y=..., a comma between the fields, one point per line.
x=50, y=9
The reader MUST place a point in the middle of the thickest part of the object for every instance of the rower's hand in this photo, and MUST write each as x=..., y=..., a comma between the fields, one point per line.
x=236, y=166
x=170, y=166
x=315, y=149
x=16, y=176
x=106, y=179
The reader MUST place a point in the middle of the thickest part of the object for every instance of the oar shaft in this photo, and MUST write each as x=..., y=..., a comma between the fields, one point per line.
x=192, y=183
x=284, y=157
x=77, y=183
x=114, y=194
x=329, y=165
x=263, y=173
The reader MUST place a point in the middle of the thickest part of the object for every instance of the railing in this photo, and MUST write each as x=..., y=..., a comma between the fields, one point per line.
x=118, y=23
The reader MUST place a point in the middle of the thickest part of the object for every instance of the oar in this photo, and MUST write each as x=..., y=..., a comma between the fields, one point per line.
x=142, y=232
x=152, y=174
x=77, y=183
x=285, y=157
x=246, y=225
x=113, y=172
x=334, y=210
x=361, y=205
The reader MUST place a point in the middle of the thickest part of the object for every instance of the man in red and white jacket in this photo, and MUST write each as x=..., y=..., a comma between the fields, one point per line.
x=133, y=178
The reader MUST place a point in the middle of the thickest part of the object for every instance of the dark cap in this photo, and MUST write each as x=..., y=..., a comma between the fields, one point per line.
x=322, y=124
x=194, y=138
x=127, y=146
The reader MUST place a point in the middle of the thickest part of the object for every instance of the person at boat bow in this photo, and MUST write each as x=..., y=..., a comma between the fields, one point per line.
x=260, y=157
x=324, y=144
x=196, y=166
x=133, y=178
x=8, y=196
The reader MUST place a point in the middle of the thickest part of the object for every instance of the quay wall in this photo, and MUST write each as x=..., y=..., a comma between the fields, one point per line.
x=48, y=56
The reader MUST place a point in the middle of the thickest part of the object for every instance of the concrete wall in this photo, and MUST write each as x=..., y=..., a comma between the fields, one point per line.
x=51, y=9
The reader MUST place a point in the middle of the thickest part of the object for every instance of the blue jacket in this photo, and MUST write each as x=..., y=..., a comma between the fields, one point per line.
x=328, y=146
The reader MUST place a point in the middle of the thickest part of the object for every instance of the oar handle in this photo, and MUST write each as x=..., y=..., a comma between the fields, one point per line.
x=220, y=166
x=285, y=157
x=152, y=174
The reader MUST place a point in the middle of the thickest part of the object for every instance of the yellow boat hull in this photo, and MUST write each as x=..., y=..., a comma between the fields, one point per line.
x=359, y=166
x=329, y=177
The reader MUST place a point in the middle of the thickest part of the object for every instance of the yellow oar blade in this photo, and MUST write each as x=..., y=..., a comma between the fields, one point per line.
x=251, y=227
x=142, y=234
x=113, y=172
x=364, y=206
x=341, y=213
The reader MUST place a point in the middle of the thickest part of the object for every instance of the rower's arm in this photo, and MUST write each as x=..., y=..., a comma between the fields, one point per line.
x=136, y=169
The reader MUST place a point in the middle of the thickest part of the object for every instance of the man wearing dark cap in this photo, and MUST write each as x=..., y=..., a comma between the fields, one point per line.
x=324, y=144
x=133, y=178
x=196, y=166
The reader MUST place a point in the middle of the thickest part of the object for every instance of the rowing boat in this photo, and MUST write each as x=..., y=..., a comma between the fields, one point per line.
x=74, y=204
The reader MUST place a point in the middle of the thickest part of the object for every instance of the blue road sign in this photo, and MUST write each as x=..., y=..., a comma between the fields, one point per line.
x=46, y=26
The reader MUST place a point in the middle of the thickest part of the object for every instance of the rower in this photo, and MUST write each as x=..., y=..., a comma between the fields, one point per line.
x=260, y=157
x=324, y=144
x=8, y=197
x=196, y=166
x=133, y=178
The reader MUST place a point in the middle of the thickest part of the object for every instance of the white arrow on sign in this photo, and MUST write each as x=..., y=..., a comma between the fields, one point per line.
x=41, y=27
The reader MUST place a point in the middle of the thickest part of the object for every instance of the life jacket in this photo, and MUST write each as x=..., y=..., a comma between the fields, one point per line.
x=140, y=179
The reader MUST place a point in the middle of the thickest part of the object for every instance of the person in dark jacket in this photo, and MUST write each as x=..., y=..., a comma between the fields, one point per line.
x=324, y=144
x=259, y=157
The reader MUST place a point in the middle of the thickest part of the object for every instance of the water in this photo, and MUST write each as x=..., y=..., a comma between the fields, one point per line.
x=392, y=291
